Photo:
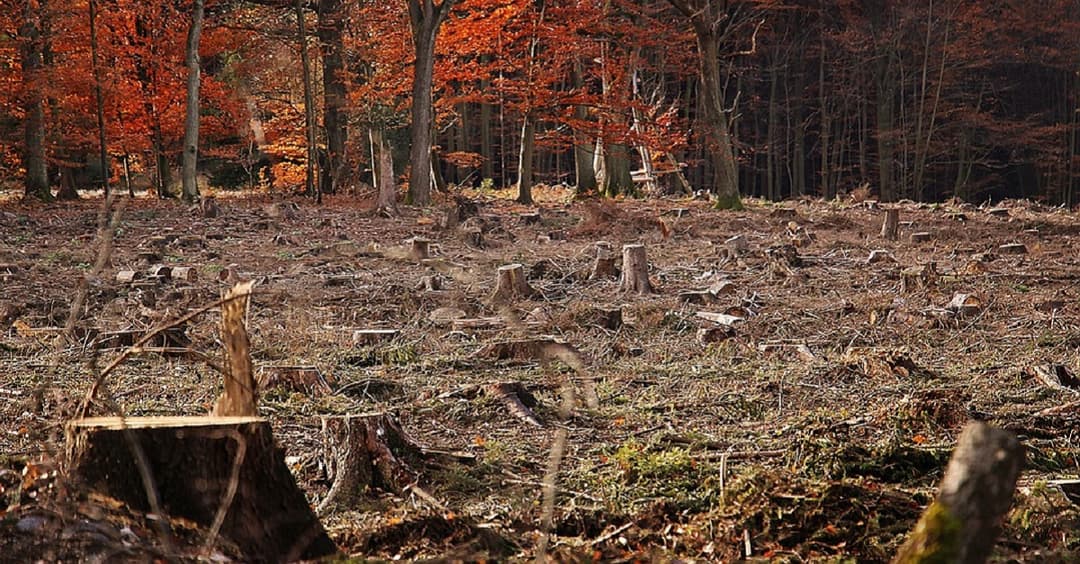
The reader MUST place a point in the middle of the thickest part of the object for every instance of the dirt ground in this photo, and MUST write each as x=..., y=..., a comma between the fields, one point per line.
x=814, y=427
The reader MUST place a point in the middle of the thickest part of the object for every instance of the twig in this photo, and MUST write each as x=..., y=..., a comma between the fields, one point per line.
x=91, y=394
x=611, y=535
x=230, y=492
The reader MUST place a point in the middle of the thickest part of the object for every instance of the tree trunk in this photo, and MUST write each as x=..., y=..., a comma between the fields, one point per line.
x=36, y=183
x=617, y=178
x=331, y=27
x=525, y=160
x=585, y=173
x=148, y=88
x=721, y=152
x=383, y=168
x=103, y=148
x=191, y=121
x=426, y=18
x=311, y=182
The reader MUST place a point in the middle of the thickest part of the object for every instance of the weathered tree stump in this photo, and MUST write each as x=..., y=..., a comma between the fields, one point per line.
x=201, y=466
x=635, y=271
x=473, y=237
x=891, y=225
x=604, y=265
x=963, y=523
x=510, y=283
x=366, y=452
x=419, y=249
x=209, y=207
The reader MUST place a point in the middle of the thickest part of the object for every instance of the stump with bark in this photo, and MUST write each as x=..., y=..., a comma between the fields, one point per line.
x=419, y=249
x=510, y=283
x=891, y=224
x=963, y=523
x=225, y=473
x=366, y=452
x=635, y=270
x=604, y=265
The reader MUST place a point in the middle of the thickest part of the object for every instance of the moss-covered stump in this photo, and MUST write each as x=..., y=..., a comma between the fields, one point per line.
x=962, y=525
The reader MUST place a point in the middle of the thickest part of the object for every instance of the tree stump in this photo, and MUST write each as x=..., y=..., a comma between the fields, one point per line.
x=963, y=523
x=604, y=265
x=366, y=452
x=419, y=249
x=635, y=271
x=510, y=283
x=200, y=465
x=891, y=225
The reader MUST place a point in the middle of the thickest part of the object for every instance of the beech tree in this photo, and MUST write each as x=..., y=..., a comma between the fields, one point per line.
x=191, y=122
x=425, y=18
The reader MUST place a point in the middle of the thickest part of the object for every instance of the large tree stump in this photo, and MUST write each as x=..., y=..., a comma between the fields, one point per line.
x=891, y=224
x=963, y=523
x=200, y=465
x=366, y=452
x=510, y=283
x=635, y=270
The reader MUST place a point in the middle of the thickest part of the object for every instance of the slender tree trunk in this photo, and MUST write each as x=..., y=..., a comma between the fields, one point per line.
x=191, y=121
x=311, y=182
x=331, y=31
x=525, y=160
x=99, y=97
x=36, y=183
x=824, y=115
x=148, y=89
x=383, y=172
x=772, y=158
x=426, y=19
x=584, y=147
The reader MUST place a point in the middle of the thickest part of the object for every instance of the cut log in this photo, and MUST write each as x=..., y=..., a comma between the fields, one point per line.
x=604, y=265
x=160, y=272
x=127, y=276
x=364, y=452
x=185, y=273
x=635, y=271
x=891, y=224
x=720, y=318
x=367, y=337
x=700, y=297
x=517, y=400
x=510, y=284
x=533, y=218
x=239, y=396
x=963, y=523
x=201, y=466
x=419, y=249
x=1013, y=249
x=920, y=237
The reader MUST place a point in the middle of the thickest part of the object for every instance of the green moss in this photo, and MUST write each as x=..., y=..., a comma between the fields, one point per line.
x=934, y=539
x=733, y=203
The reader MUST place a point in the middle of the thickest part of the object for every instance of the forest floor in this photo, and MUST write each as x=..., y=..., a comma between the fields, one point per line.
x=814, y=427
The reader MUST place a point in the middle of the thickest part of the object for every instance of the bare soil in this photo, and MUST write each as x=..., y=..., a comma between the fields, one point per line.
x=813, y=429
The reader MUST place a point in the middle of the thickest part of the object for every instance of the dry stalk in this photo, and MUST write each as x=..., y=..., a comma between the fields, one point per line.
x=551, y=477
x=106, y=230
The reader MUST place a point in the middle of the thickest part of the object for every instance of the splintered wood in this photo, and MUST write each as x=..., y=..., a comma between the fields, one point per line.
x=239, y=396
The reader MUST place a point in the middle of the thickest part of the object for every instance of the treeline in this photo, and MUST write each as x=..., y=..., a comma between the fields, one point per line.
x=772, y=98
